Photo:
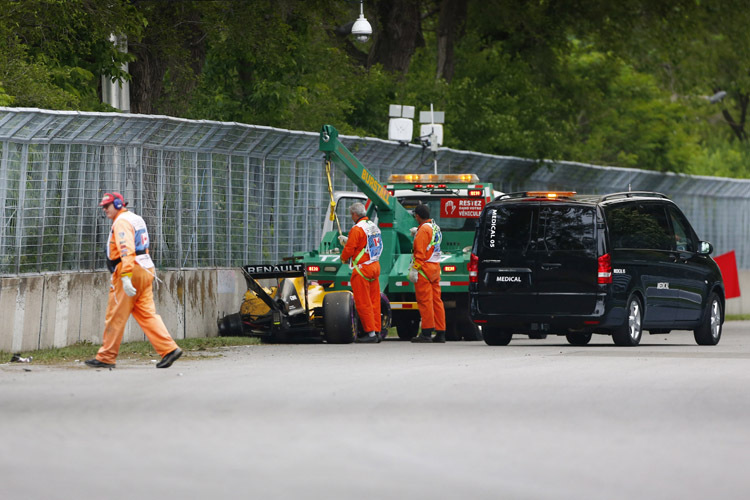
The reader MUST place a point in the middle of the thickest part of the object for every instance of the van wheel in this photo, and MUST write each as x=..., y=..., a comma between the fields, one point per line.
x=630, y=333
x=709, y=332
x=339, y=318
x=496, y=336
x=578, y=338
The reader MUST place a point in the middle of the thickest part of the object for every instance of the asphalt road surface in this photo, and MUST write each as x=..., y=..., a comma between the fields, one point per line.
x=538, y=419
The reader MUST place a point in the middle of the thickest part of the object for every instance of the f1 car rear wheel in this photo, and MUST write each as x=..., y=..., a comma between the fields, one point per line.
x=231, y=326
x=339, y=318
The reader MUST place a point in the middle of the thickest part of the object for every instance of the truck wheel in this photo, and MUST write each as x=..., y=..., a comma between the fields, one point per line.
x=386, y=316
x=339, y=318
x=407, y=326
x=452, y=332
x=578, y=338
x=496, y=336
x=231, y=326
x=709, y=331
x=629, y=334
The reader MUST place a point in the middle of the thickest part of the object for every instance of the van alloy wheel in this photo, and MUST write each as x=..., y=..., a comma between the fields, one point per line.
x=630, y=333
x=709, y=332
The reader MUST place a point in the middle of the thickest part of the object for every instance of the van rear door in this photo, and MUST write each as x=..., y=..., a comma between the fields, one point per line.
x=507, y=259
x=565, y=274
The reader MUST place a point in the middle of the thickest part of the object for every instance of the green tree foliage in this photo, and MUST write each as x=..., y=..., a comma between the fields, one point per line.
x=52, y=52
x=623, y=117
x=621, y=83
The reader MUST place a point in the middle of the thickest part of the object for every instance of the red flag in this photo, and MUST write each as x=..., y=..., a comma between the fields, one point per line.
x=728, y=266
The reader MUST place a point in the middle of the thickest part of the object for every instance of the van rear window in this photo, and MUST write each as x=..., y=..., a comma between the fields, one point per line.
x=566, y=228
x=508, y=229
x=520, y=228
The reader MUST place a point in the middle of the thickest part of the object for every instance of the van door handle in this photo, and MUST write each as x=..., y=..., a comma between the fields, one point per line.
x=548, y=266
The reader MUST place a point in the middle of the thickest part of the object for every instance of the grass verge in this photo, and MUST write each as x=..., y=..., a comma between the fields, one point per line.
x=128, y=350
x=737, y=317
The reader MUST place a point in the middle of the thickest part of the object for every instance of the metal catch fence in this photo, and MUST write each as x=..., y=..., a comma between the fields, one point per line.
x=224, y=194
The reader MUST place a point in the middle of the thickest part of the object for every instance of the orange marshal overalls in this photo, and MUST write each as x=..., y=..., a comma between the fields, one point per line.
x=427, y=286
x=365, y=286
x=122, y=245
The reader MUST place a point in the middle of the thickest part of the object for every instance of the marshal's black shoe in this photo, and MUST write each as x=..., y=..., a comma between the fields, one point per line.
x=170, y=358
x=95, y=363
x=368, y=338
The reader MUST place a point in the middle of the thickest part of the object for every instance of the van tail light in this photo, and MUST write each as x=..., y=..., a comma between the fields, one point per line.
x=605, y=269
x=473, y=267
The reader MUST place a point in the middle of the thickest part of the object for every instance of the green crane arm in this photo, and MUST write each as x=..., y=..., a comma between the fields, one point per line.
x=389, y=209
x=393, y=219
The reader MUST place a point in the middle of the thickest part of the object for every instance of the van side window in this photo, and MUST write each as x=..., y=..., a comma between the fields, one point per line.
x=682, y=233
x=508, y=229
x=639, y=225
x=566, y=228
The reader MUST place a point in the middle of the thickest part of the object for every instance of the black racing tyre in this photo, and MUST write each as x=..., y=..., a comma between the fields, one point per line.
x=231, y=326
x=497, y=336
x=629, y=334
x=407, y=325
x=578, y=338
x=339, y=318
x=709, y=331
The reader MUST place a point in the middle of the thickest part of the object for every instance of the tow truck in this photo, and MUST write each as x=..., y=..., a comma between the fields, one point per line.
x=455, y=202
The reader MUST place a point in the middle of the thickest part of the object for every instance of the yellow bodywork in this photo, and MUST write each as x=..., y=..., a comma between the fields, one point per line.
x=254, y=306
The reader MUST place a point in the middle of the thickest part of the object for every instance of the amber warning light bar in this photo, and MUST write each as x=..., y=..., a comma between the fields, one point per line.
x=432, y=178
x=552, y=195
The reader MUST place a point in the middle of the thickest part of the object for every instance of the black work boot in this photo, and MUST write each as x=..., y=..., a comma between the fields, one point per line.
x=368, y=338
x=425, y=336
x=439, y=337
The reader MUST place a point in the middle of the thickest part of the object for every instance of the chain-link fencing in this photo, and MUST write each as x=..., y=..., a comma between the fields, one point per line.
x=225, y=194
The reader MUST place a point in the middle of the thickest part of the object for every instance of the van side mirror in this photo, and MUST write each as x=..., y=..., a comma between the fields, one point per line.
x=705, y=248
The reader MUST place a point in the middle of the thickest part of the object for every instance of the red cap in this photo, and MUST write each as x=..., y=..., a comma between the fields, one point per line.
x=110, y=198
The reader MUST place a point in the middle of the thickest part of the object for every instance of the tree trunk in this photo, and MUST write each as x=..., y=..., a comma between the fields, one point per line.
x=174, y=42
x=399, y=35
x=450, y=26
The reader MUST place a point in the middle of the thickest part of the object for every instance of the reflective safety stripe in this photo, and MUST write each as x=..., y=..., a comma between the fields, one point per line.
x=356, y=265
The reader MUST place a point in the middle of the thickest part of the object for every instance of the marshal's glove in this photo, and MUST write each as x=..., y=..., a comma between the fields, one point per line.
x=413, y=231
x=128, y=287
x=343, y=239
x=413, y=275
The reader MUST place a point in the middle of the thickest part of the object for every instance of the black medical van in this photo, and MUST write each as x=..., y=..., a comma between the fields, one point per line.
x=547, y=263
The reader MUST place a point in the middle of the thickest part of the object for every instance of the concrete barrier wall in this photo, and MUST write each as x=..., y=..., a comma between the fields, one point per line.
x=56, y=310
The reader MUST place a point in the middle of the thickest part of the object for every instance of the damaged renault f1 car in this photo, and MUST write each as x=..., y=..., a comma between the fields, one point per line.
x=281, y=306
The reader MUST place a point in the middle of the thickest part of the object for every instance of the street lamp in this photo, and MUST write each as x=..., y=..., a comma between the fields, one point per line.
x=361, y=28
